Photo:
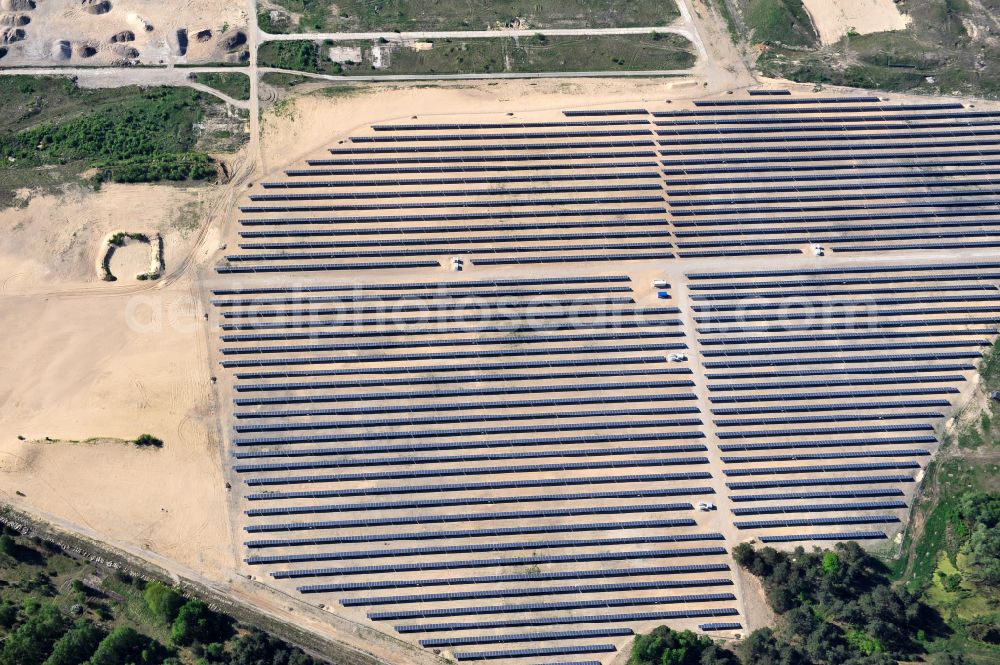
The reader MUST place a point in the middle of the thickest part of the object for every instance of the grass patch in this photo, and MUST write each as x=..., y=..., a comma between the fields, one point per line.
x=935, y=55
x=52, y=131
x=235, y=85
x=282, y=80
x=413, y=15
x=780, y=22
x=472, y=56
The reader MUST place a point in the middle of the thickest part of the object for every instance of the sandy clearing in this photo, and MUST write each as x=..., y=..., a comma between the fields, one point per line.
x=836, y=18
x=55, y=240
x=116, y=367
x=63, y=33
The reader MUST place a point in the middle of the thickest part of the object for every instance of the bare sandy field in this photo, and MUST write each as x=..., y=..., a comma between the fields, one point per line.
x=105, y=32
x=114, y=367
x=85, y=359
x=54, y=241
x=835, y=18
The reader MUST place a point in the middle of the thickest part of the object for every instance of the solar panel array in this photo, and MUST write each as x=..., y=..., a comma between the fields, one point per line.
x=458, y=448
x=854, y=421
x=504, y=465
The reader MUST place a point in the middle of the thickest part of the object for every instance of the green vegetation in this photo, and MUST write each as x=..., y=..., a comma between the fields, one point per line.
x=235, y=85
x=664, y=646
x=779, y=22
x=943, y=51
x=118, y=240
x=53, y=132
x=471, y=56
x=148, y=441
x=414, y=15
x=57, y=609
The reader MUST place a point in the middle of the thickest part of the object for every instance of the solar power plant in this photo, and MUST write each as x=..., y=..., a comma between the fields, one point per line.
x=511, y=387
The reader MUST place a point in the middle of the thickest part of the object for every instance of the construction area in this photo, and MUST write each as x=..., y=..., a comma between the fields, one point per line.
x=511, y=386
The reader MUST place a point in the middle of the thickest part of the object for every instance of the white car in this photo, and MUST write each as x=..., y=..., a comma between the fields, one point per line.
x=817, y=250
x=677, y=357
x=705, y=506
x=457, y=264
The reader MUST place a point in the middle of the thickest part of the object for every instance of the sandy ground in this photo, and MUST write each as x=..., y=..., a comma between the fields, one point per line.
x=54, y=241
x=835, y=18
x=109, y=361
x=63, y=32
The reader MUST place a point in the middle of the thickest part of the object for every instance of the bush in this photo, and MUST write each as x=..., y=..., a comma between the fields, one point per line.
x=77, y=645
x=148, y=440
x=32, y=642
x=195, y=622
x=163, y=601
x=127, y=646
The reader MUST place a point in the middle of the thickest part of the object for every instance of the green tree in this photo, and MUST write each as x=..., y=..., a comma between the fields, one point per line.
x=32, y=642
x=195, y=622
x=831, y=563
x=126, y=646
x=77, y=645
x=163, y=601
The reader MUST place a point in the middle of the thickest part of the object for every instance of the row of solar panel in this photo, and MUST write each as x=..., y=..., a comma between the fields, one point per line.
x=779, y=126
x=860, y=429
x=461, y=406
x=448, y=318
x=467, y=457
x=931, y=196
x=503, y=390
x=845, y=371
x=476, y=501
x=358, y=150
x=855, y=535
x=596, y=603
x=846, y=335
x=464, y=240
x=864, y=493
x=808, y=408
x=799, y=168
x=889, y=137
x=546, y=166
x=758, y=111
x=424, y=205
x=855, y=381
x=817, y=521
x=795, y=100
x=872, y=118
x=847, y=270
x=592, y=618
x=885, y=187
x=529, y=637
x=913, y=452
x=417, y=218
x=891, y=239
x=513, y=124
x=470, y=471
x=519, y=561
x=625, y=175
x=492, y=532
x=512, y=429
x=449, y=248
x=435, y=286
x=778, y=362
x=471, y=445
x=525, y=592
x=821, y=507
x=459, y=159
x=469, y=548
x=533, y=303
x=453, y=355
x=396, y=296
x=322, y=267
x=567, y=223
x=431, y=193
x=834, y=443
x=466, y=367
x=819, y=480
x=514, y=329
x=500, y=137
x=538, y=651
x=496, y=579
